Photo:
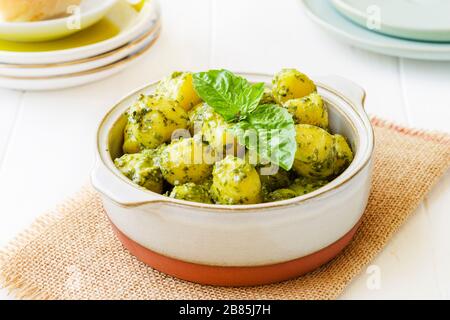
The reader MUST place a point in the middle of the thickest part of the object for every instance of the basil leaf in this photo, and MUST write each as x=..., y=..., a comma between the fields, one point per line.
x=231, y=96
x=270, y=131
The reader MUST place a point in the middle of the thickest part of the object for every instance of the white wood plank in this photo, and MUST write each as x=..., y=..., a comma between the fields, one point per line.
x=406, y=266
x=426, y=87
x=437, y=208
x=9, y=109
x=4, y=295
x=10, y=103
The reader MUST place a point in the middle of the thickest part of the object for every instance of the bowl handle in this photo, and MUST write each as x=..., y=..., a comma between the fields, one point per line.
x=119, y=191
x=348, y=88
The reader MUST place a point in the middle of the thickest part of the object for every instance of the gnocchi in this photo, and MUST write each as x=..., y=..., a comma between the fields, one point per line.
x=309, y=110
x=192, y=192
x=235, y=182
x=141, y=169
x=178, y=87
x=215, y=132
x=301, y=186
x=291, y=84
x=267, y=97
x=206, y=164
x=186, y=160
x=315, y=156
x=344, y=154
x=213, y=128
x=151, y=122
x=320, y=155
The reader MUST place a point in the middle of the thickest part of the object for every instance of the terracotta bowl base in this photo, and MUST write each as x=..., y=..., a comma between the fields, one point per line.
x=235, y=276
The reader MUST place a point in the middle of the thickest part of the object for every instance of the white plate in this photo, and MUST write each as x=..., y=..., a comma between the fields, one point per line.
x=86, y=64
x=324, y=14
x=426, y=20
x=91, y=11
x=131, y=22
x=77, y=79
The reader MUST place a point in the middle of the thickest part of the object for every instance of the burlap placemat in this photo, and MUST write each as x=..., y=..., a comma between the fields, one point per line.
x=72, y=252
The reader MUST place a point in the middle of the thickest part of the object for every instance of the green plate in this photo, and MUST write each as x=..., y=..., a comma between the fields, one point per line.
x=324, y=14
x=425, y=20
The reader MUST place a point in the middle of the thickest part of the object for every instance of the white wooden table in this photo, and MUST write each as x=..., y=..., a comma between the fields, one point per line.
x=47, y=138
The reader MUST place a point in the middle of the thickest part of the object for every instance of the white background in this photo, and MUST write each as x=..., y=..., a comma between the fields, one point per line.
x=47, y=138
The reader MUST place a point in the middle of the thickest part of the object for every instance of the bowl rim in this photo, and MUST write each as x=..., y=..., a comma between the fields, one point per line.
x=134, y=42
x=161, y=199
x=148, y=42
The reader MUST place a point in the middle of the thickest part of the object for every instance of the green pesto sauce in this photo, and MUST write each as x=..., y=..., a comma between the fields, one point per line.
x=192, y=192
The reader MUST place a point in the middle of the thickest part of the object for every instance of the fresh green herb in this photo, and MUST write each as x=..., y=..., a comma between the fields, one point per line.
x=267, y=129
x=231, y=96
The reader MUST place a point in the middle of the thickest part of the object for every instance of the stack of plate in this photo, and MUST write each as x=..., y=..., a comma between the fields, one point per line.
x=418, y=29
x=108, y=44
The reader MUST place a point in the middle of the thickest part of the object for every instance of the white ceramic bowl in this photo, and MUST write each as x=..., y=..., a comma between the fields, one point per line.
x=62, y=81
x=132, y=25
x=240, y=245
x=66, y=68
x=91, y=11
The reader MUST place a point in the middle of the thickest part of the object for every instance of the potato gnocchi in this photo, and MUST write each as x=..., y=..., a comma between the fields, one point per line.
x=151, y=122
x=178, y=88
x=206, y=164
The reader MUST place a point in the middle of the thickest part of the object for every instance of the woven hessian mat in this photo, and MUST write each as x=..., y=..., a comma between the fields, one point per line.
x=72, y=253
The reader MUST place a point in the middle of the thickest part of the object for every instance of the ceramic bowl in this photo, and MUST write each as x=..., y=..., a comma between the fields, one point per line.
x=91, y=11
x=65, y=68
x=423, y=20
x=61, y=81
x=240, y=245
x=324, y=14
x=131, y=24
